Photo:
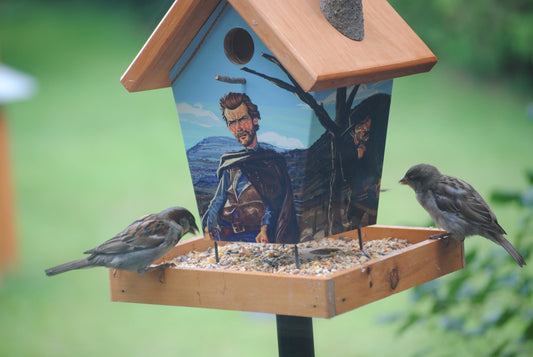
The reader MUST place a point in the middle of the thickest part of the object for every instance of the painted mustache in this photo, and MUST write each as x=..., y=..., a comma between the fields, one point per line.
x=244, y=134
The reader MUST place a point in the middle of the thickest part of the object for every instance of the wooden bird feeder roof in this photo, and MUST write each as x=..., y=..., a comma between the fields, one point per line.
x=309, y=47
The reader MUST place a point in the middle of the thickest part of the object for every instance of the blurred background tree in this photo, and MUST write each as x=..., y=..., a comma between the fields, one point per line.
x=489, y=37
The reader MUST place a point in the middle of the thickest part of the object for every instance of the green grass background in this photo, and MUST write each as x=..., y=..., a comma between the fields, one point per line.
x=88, y=157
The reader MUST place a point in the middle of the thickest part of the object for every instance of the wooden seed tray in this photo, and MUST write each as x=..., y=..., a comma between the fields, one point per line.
x=296, y=295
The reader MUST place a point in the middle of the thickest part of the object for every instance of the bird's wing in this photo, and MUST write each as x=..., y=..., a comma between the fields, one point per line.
x=146, y=232
x=456, y=196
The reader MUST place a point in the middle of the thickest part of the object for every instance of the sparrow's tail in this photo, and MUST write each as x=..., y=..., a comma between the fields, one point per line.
x=510, y=249
x=75, y=264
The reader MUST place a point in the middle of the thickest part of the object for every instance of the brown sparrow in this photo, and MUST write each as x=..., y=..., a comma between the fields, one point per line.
x=139, y=245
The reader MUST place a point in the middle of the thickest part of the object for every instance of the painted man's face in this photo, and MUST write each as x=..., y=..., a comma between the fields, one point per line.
x=241, y=125
x=362, y=130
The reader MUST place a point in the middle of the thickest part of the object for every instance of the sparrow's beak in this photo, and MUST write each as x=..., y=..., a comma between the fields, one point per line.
x=193, y=228
x=404, y=181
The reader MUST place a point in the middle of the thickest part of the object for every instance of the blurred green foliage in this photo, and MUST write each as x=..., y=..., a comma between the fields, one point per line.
x=490, y=37
x=490, y=302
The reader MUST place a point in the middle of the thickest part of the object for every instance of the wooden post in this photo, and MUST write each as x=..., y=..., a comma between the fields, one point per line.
x=295, y=336
x=7, y=226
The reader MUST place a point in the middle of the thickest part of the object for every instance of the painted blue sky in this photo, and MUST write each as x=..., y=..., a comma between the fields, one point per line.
x=285, y=121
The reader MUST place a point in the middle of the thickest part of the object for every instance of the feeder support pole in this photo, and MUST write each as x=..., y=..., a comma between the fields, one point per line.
x=295, y=336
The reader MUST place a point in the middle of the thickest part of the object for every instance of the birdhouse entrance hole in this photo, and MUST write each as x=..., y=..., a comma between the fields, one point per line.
x=239, y=46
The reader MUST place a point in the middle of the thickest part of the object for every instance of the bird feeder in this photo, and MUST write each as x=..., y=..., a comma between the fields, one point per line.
x=321, y=103
x=14, y=86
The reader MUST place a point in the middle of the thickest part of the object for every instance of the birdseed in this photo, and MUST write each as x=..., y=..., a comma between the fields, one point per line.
x=318, y=257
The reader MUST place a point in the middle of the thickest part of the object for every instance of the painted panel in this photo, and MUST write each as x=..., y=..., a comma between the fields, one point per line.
x=269, y=165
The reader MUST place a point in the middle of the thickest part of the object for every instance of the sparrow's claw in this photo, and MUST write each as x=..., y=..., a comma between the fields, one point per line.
x=161, y=268
x=444, y=235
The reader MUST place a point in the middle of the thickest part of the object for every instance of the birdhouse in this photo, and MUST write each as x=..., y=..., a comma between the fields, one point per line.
x=284, y=120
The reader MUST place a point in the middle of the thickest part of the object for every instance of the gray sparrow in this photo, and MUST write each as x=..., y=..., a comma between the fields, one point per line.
x=456, y=207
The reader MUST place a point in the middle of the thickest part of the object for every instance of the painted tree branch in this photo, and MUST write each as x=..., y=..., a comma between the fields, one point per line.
x=340, y=107
x=276, y=81
x=322, y=114
x=351, y=97
x=336, y=128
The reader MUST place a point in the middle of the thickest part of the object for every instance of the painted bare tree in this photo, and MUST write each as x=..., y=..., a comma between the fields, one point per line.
x=337, y=128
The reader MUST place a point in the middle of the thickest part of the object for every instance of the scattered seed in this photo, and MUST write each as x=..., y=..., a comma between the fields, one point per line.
x=333, y=255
